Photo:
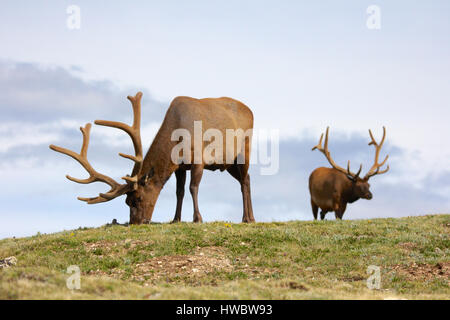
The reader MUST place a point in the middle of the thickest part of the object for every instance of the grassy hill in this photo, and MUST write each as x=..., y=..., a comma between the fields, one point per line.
x=293, y=260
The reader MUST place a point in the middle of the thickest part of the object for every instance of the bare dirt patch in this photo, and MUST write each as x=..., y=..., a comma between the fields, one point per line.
x=170, y=268
x=203, y=261
x=423, y=271
x=294, y=286
x=353, y=279
x=108, y=246
x=91, y=246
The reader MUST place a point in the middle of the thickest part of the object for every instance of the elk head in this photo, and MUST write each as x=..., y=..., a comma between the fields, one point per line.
x=141, y=195
x=360, y=185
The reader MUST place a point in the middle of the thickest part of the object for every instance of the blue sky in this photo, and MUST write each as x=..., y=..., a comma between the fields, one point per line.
x=299, y=65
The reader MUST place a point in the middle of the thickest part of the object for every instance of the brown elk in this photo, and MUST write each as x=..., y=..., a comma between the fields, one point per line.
x=333, y=188
x=151, y=172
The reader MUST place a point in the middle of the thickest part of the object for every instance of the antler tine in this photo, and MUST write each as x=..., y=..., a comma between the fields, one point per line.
x=375, y=169
x=325, y=151
x=133, y=131
x=374, y=142
x=319, y=146
x=116, y=188
x=350, y=173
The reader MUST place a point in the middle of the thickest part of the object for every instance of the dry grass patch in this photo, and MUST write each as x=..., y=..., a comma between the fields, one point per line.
x=408, y=246
x=112, y=245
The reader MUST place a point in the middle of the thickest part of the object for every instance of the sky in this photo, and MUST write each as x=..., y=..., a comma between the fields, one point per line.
x=299, y=65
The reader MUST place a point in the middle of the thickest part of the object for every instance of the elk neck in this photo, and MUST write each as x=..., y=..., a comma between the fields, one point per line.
x=351, y=194
x=157, y=163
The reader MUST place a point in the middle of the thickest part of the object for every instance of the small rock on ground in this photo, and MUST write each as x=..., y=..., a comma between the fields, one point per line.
x=8, y=262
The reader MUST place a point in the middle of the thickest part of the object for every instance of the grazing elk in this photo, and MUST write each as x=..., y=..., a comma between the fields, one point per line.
x=151, y=172
x=332, y=188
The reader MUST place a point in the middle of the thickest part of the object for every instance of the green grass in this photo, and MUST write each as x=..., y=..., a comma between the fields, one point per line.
x=292, y=260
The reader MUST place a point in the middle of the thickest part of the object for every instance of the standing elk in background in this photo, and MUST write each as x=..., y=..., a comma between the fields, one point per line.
x=332, y=188
x=151, y=172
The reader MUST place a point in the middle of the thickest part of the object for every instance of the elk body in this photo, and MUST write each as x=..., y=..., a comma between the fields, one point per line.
x=151, y=172
x=331, y=189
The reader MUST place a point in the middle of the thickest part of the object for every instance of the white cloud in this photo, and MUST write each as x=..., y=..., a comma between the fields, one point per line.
x=19, y=136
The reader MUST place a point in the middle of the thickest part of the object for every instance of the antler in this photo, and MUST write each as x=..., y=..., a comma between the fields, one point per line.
x=376, y=166
x=325, y=151
x=116, y=188
x=135, y=134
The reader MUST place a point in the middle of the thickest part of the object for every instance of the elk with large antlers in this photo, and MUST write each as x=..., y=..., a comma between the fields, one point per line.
x=333, y=188
x=151, y=172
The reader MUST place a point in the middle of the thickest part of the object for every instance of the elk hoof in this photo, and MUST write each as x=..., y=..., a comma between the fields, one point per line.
x=198, y=219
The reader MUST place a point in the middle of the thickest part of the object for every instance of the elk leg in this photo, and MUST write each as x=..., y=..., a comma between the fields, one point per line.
x=247, y=181
x=315, y=209
x=196, y=177
x=322, y=214
x=245, y=184
x=236, y=171
x=248, y=199
x=340, y=213
x=181, y=181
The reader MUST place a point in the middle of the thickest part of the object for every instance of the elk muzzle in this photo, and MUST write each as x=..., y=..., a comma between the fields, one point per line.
x=142, y=203
x=141, y=209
